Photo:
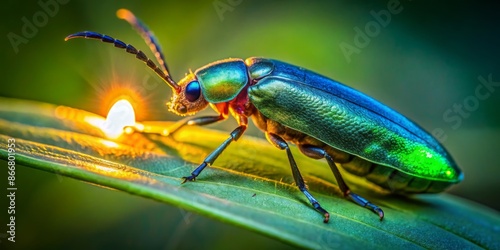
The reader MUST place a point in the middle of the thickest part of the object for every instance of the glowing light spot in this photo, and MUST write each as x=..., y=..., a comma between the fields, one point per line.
x=128, y=130
x=105, y=169
x=120, y=115
x=109, y=144
x=448, y=172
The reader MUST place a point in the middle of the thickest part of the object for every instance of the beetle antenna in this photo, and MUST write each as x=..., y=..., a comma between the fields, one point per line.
x=130, y=49
x=146, y=34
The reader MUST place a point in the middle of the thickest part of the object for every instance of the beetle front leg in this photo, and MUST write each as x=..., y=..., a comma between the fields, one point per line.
x=299, y=181
x=317, y=153
x=188, y=121
x=209, y=160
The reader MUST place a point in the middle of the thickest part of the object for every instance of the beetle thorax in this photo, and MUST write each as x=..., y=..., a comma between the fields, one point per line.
x=223, y=80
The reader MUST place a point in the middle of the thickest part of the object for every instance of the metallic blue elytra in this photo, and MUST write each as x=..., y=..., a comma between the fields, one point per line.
x=322, y=117
x=369, y=129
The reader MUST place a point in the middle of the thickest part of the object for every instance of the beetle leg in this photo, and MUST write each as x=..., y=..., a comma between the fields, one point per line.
x=317, y=153
x=235, y=135
x=299, y=181
x=200, y=121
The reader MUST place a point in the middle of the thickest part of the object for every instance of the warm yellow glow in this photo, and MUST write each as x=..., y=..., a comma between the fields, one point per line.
x=148, y=128
x=105, y=169
x=139, y=127
x=96, y=121
x=128, y=130
x=121, y=172
x=119, y=116
x=109, y=144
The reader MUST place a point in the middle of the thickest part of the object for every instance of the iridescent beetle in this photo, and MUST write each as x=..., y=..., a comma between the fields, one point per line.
x=324, y=118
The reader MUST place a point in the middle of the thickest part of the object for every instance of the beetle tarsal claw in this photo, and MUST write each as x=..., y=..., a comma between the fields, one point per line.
x=188, y=178
x=327, y=217
x=376, y=210
x=380, y=213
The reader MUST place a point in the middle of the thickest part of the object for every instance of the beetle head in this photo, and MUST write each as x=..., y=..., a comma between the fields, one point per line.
x=188, y=98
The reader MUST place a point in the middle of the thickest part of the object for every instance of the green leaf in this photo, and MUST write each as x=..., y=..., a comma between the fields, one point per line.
x=250, y=185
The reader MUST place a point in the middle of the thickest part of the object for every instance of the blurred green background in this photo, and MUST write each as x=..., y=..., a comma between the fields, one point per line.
x=426, y=60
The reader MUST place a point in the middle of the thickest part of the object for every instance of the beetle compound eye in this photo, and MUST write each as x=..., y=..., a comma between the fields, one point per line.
x=193, y=91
